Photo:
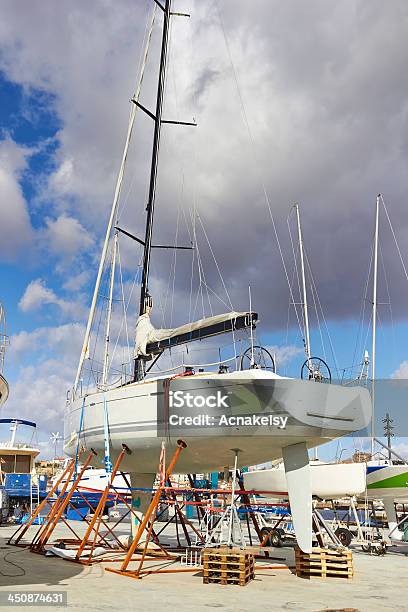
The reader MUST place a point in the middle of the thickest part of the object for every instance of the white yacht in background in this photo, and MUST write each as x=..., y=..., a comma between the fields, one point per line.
x=93, y=481
x=329, y=480
x=387, y=479
x=17, y=455
x=21, y=487
x=304, y=413
x=388, y=482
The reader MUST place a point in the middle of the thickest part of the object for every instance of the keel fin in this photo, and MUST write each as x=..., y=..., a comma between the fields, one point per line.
x=297, y=469
x=393, y=532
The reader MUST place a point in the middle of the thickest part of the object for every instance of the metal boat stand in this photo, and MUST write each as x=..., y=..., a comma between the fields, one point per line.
x=179, y=518
x=147, y=525
x=58, y=506
x=16, y=538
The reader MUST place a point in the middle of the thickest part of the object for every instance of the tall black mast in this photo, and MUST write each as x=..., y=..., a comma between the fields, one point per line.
x=145, y=300
x=144, y=293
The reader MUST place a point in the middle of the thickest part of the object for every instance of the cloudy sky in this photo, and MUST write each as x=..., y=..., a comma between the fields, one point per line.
x=294, y=102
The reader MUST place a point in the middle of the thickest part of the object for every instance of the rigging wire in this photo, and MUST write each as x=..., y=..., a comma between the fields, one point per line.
x=314, y=297
x=101, y=308
x=389, y=304
x=122, y=291
x=143, y=57
x=359, y=347
x=253, y=149
x=197, y=260
x=313, y=283
x=200, y=289
x=302, y=325
x=169, y=295
x=395, y=238
x=175, y=261
x=136, y=280
x=216, y=262
x=112, y=217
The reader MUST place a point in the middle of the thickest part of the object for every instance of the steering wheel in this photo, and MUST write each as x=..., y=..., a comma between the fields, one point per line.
x=316, y=369
x=257, y=358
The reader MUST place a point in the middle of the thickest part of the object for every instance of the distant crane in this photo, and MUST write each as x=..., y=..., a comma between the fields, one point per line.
x=388, y=432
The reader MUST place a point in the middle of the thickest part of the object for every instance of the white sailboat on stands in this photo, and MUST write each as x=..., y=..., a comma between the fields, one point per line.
x=138, y=413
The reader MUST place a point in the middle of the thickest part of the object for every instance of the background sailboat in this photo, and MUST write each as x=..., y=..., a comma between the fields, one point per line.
x=386, y=480
x=328, y=480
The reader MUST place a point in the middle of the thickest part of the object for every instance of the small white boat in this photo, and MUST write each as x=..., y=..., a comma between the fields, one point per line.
x=94, y=481
x=329, y=480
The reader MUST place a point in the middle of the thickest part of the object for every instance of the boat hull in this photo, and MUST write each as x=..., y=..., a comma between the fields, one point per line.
x=138, y=415
x=329, y=480
x=389, y=481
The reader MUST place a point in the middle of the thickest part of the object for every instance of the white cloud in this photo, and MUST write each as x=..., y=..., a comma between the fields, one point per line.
x=285, y=353
x=15, y=226
x=66, y=236
x=39, y=394
x=37, y=295
x=65, y=340
x=401, y=448
x=39, y=390
x=76, y=282
x=401, y=371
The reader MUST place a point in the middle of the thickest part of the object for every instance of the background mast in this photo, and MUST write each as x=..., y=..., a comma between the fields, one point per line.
x=374, y=317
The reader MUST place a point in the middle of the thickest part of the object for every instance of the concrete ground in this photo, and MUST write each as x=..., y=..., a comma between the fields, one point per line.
x=380, y=583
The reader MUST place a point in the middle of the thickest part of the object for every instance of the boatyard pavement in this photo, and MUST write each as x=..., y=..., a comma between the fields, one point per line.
x=380, y=583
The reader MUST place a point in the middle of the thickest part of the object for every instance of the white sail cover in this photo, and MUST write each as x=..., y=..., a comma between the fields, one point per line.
x=147, y=334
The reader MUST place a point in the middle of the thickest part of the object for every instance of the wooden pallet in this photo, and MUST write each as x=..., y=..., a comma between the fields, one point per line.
x=241, y=573
x=324, y=563
x=225, y=554
x=228, y=566
x=241, y=581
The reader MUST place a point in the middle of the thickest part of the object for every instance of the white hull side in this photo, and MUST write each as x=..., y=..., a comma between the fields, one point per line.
x=96, y=481
x=319, y=413
x=329, y=480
